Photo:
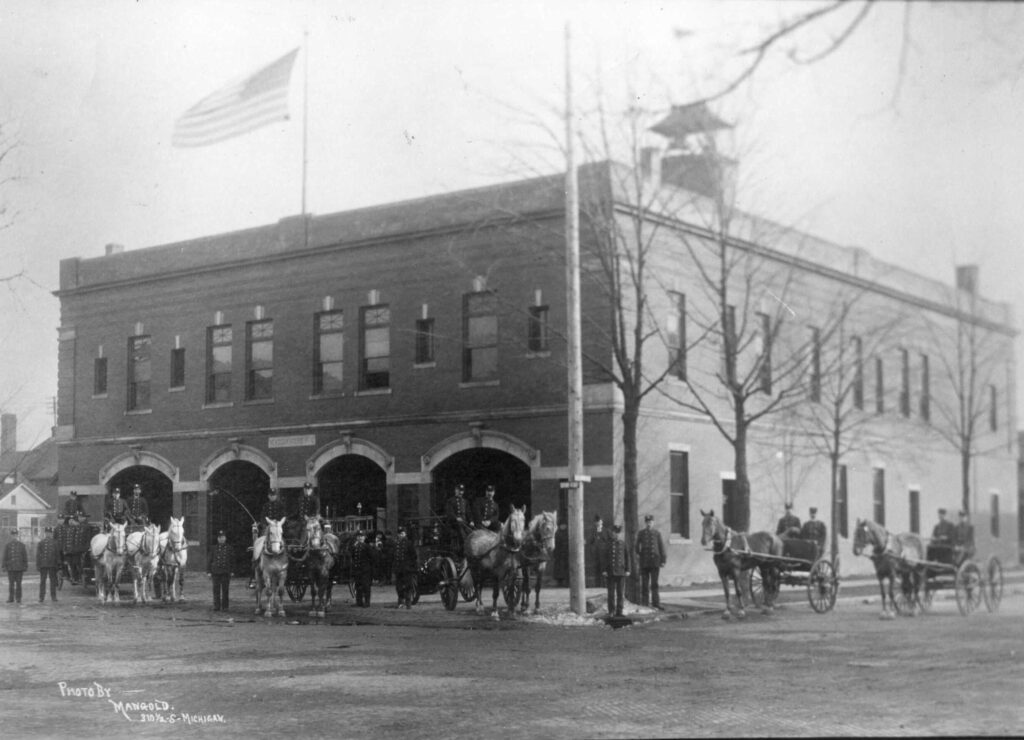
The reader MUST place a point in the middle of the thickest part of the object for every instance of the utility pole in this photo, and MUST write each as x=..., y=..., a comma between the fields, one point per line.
x=577, y=572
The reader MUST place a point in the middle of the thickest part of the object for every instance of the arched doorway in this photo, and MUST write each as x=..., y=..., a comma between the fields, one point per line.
x=478, y=467
x=237, y=492
x=348, y=481
x=156, y=489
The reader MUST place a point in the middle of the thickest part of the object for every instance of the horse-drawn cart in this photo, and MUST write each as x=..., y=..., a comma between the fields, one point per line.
x=802, y=564
x=948, y=567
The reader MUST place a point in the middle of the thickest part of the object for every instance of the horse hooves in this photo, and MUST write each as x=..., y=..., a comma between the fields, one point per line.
x=885, y=616
x=495, y=616
x=268, y=613
x=536, y=610
x=726, y=615
x=767, y=611
x=741, y=614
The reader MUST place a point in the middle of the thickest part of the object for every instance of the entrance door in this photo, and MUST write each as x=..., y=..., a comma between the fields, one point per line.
x=237, y=492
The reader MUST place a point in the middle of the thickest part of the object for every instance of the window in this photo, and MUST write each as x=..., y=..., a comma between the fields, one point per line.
x=328, y=353
x=425, y=341
x=765, y=370
x=178, y=367
x=993, y=409
x=878, y=486
x=139, y=372
x=259, y=360
x=879, y=388
x=676, y=336
x=915, y=511
x=842, y=503
x=904, y=383
x=730, y=503
x=858, y=372
x=218, y=364
x=926, y=390
x=679, y=492
x=99, y=376
x=375, y=341
x=479, y=337
x=815, y=393
x=537, y=333
x=994, y=524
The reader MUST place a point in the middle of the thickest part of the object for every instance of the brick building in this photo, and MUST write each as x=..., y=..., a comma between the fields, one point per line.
x=386, y=353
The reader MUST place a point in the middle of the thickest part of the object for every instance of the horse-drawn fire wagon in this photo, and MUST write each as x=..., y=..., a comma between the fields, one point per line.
x=804, y=565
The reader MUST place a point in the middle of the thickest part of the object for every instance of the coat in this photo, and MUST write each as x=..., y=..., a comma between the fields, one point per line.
x=15, y=556
x=485, y=509
x=220, y=560
x=617, y=559
x=456, y=508
x=72, y=507
x=944, y=532
x=650, y=549
x=814, y=530
x=364, y=558
x=789, y=521
x=307, y=505
x=117, y=509
x=273, y=509
x=47, y=553
x=406, y=560
x=138, y=509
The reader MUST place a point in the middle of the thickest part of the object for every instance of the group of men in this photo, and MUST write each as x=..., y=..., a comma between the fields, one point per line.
x=15, y=562
x=813, y=529
x=483, y=513
x=959, y=537
x=133, y=511
x=614, y=561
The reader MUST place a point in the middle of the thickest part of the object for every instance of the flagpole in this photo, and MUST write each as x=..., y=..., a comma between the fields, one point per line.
x=305, y=136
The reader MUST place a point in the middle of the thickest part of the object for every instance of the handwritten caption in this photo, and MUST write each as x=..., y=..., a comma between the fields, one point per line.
x=155, y=711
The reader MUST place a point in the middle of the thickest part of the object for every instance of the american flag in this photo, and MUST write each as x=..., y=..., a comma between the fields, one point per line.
x=258, y=100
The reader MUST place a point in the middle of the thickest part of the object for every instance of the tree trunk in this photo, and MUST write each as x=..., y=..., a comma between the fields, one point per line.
x=630, y=415
x=965, y=479
x=741, y=506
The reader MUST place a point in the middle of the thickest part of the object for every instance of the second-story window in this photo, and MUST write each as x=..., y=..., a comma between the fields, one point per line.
x=259, y=360
x=479, y=337
x=676, y=336
x=764, y=372
x=815, y=389
x=99, y=376
x=904, y=382
x=537, y=333
x=178, y=367
x=926, y=392
x=424, y=341
x=218, y=364
x=375, y=338
x=858, y=373
x=329, y=357
x=879, y=386
x=140, y=370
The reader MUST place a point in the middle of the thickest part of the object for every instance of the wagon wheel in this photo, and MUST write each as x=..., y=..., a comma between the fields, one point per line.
x=466, y=588
x=512, y=588
x=968, y=588
x=992, y=587
x=755, y=587
x=449, y=584
x=822, y=586
x=415, y=588
x=296, y=590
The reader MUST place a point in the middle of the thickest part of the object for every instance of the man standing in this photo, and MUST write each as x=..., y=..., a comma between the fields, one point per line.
x=47, y=560
x=406, y=564
x=485, y=511
x=617, y=561
x=814, y=530
x=455, y=514
x=137, y=509
x=650, y=552
x=596, y=545
x=218, y=567
x=364, y=556
x=788, y=522
x=15, y=562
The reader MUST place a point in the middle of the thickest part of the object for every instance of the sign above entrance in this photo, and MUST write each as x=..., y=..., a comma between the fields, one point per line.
x=296, y=440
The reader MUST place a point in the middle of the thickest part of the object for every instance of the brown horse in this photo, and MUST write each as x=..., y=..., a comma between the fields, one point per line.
x=538, y=545
x=736, y=553
x=892, y=555
x=323, y=550
x=496, y=555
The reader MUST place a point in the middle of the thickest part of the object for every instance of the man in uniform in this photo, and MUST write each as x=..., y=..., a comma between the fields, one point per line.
x=72, y=506
x=788, y=522
x=616, y=563
x=596, y=544
x=943, y=536
x=650, y=556
x=47, y=561
x=364, y=557
x=218, y=567
x=963, y=537
x=137, y=508
x=273, y=508
x=15, y=562
x=815, y=530
x=406, y=565
x=455, y=514
x=485, y=511
x=117, y=509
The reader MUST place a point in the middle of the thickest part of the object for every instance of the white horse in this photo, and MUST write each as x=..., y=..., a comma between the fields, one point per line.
x=108, y=556
x=174, y=556
x=144, y=551
x=270, y=557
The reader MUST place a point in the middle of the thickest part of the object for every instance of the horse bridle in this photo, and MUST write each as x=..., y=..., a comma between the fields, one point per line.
x=114, y=549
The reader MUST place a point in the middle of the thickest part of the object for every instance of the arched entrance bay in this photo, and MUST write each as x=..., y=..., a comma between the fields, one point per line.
x=237, y=492
x=156, y=489
x=350, y=484
x=478, y=467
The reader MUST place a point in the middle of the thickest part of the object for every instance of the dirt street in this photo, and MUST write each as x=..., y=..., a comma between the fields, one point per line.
x=78, y=669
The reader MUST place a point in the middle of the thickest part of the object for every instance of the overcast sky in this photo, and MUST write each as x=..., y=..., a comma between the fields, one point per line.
x=923, y=168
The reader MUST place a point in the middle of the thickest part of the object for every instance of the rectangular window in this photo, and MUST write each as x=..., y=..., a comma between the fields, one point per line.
x=815, y=368
x=675, y=337
x=479, y=337
x=730, y=503
x=993, y=409
x=375, y=346
x=926, y=389
x=178, y=367
x=140, y=370
x=994, y=525
x=328, y=353
x=879, y=386
x=878, y=494
x=537, y=333
x=424, y=341
x=99, y=376
x=904, y=383
x=842, y=502
x=858, y=372
x=679, y=492
x=915, y=511
x=259, y=360
x=218, y=364
x=764, y=372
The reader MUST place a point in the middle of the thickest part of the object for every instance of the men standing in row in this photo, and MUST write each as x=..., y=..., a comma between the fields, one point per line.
x=650, y=552
x=789, y=524
x=617, y=562
x=15, y=562
x=815, y=530
x=406, y=565
x=364, y=557
x=218, y=566
x=485, y=511
x=47, y=560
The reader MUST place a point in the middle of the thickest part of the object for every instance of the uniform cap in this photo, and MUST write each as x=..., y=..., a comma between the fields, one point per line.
x=74, y=493
x=649, y=518
x=789, y=505
x=48, y=529
x=814, y=509
x=221, y=533
x=308, y=485
x=14, y=531
x=942, y=511
x=116, y=490
x=137, y=487
x=459, y=488
x=597, y=517
x=617, y=528
x=963, y=513
x=490, y=489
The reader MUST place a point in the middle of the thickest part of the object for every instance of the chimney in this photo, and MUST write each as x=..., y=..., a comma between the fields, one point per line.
x=8, y=433
x=650, y=164
x=114, y=249
x=967, y=278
